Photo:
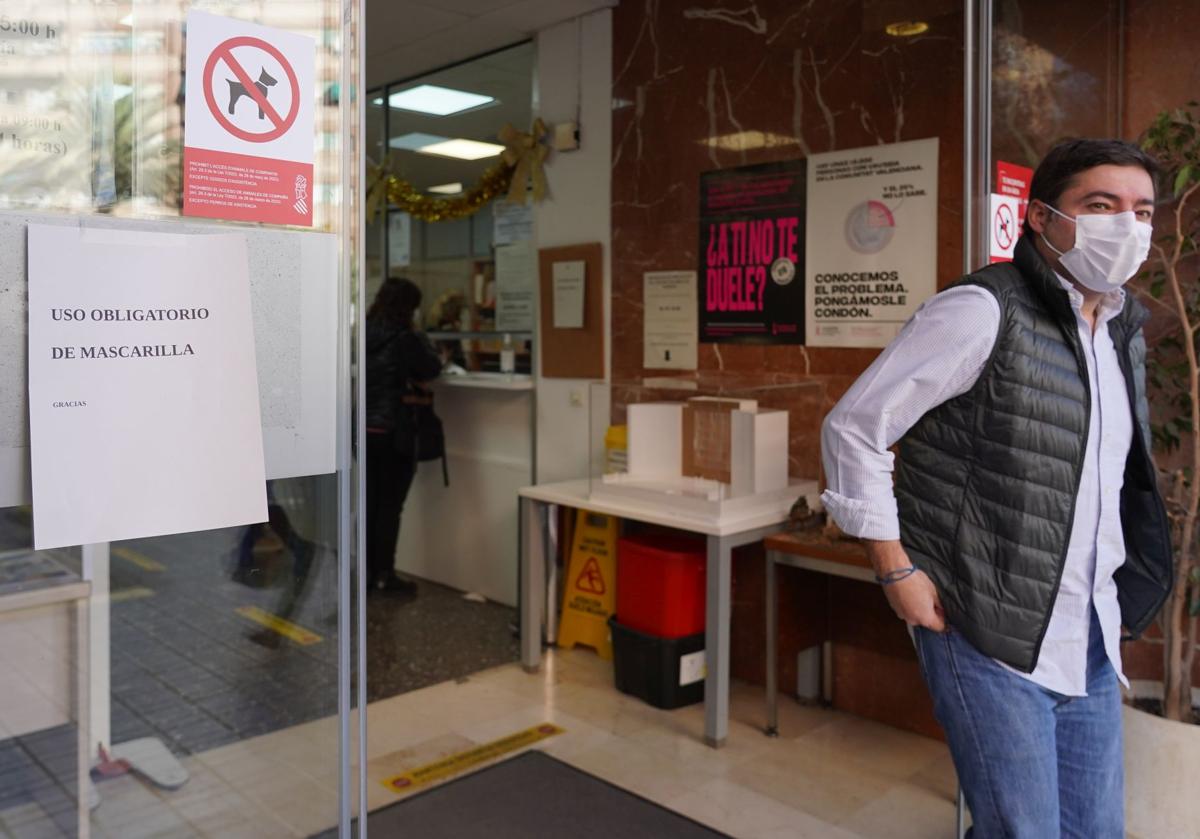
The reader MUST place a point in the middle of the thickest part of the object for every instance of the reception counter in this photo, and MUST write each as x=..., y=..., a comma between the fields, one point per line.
x=465, y=535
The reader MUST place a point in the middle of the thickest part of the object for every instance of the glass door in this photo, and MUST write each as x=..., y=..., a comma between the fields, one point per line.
x=193, y=684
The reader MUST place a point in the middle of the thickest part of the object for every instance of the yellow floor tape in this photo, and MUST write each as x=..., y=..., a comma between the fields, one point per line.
x=303, y=637
x=135, y=593
x=461, y=762
x=140, y=560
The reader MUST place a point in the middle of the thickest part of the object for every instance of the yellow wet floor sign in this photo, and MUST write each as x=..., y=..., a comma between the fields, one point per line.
x=591, y=591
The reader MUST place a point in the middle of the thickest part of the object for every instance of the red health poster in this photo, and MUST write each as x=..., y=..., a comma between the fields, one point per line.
x=752, y=254
x=248, y=130
x=1013, y=180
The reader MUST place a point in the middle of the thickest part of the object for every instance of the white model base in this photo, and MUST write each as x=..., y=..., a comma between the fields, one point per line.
x=700, y=499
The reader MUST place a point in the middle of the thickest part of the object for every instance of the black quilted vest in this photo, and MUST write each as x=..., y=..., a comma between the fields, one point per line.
x=986, y=482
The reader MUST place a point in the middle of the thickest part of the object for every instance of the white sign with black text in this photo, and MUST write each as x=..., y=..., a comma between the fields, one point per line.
x=871, y=233
x=143, y=391
x=669, y=328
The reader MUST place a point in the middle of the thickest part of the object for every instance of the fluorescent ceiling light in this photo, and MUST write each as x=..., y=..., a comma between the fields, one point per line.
x=748, y=140
x=462, y=149
x=415, y=141
x=446, y=189
x=439, y=101
x=377, y=101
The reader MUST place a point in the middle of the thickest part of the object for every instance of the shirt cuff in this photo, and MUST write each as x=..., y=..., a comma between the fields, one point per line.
x=876, y=519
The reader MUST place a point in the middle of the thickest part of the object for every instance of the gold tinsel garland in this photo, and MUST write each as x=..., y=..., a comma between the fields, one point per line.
x=408, y=199
x=519, y=167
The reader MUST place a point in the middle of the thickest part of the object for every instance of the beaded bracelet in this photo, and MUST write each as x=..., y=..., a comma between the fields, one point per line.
x=896, y=575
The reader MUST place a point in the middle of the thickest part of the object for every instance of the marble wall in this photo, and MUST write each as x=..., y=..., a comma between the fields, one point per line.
x=701, y=85
x=705, y=84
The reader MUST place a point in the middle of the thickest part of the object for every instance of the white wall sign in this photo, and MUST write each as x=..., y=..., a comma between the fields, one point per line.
x=511, y=222
x=515, y=288
x=1005, y=215
x=568, y=294
x=248, y=124
x=871, y=234
x=399, y=239
x=669, y=329
x=143, y=391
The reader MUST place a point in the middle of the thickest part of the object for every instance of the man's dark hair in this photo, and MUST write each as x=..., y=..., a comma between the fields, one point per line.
x=1070, y=157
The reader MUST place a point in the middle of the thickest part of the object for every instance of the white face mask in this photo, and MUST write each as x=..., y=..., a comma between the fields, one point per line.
x=1109, y=249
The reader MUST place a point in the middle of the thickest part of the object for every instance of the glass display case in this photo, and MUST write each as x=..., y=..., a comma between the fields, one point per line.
x=706, y=446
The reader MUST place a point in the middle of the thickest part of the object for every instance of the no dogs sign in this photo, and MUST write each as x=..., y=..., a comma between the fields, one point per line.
x=248, y=130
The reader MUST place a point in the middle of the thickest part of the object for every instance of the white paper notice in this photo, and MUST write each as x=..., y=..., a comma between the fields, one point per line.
x=399, y=240
x=669, y=328
x=871, y=237
x=514, y=288
x=568, y=294
x=511, y=222
x=143, y=391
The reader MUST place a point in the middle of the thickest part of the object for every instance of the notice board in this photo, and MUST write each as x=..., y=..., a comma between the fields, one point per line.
x=573, y=353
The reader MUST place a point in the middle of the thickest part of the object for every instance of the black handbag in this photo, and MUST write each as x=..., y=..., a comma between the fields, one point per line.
x=424, y=438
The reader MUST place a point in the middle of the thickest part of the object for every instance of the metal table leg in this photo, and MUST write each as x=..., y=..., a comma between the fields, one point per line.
x=533, y=582
x=716, y=631
x=550, y=512
x=772, y=610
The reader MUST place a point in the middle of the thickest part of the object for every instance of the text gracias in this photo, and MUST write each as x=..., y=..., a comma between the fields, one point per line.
x=738, y=258
x=126, y=316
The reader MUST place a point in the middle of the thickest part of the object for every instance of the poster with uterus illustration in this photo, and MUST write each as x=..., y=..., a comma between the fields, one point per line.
x=871, y=241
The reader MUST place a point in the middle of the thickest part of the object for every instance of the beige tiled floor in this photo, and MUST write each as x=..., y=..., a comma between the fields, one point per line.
x=829, y=776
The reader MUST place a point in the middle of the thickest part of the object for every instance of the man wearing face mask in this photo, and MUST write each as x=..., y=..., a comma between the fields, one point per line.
x=1025, y=530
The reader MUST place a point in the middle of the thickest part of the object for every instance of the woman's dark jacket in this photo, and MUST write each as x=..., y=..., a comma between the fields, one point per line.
x=397, y=359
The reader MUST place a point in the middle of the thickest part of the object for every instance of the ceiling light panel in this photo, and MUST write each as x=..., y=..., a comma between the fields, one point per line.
x=416, y=141
x=462, y=149
x=438, y=101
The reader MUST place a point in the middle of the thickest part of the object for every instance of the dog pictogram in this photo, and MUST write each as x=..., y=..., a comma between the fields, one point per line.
x=237, y=90
x=243, y=85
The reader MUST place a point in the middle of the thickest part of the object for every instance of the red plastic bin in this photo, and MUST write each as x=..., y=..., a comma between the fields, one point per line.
x=660, y=584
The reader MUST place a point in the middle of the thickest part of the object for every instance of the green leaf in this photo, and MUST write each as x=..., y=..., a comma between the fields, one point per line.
x=1182, y=179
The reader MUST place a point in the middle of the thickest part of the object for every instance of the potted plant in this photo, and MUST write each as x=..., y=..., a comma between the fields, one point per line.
x=1162, y=751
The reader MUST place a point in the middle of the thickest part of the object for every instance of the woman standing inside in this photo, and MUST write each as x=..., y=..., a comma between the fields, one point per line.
x=399, y=361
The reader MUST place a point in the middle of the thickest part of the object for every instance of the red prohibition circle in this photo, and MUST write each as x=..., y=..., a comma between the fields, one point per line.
x=1004, y=218
x=224, y=51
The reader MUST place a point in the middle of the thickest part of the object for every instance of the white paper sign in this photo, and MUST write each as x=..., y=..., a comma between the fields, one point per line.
x=871, y=252
x=143, y=391
x=511, y=222
x=399, y=240
x=568, y=294
x=514, y=288
x=669, y=328
x=1005, y=226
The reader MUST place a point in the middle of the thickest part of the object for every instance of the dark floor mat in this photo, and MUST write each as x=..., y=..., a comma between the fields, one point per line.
x=529, y=796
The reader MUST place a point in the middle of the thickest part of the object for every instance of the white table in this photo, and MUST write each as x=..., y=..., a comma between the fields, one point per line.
x=538, y=542
x=73, y=595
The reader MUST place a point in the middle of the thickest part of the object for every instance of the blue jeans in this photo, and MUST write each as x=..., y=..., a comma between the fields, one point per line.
x=1033, y=764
